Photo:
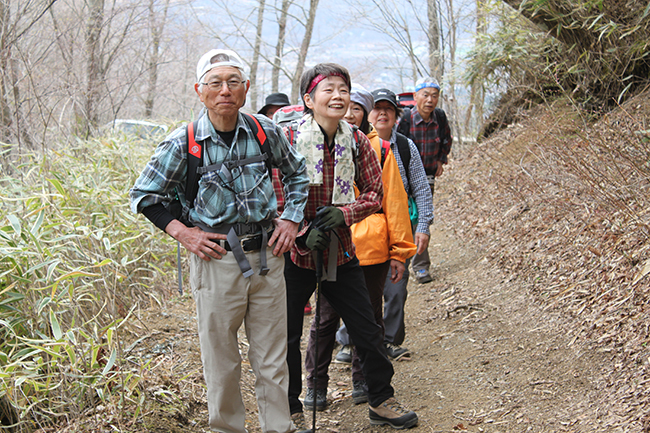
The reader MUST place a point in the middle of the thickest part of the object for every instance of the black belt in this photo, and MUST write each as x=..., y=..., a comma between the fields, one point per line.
x=252, y=243
x=241, y=238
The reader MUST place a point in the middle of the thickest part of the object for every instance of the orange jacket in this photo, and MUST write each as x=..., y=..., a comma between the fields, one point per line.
x=388, y=235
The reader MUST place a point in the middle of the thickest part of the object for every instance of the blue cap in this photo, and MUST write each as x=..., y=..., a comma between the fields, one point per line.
x=426, y=82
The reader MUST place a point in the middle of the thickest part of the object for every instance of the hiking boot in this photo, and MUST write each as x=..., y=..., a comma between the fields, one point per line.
x=423, y=276
x=321, y=399
x=391, y=412
x=344, y=356
x=359, y=391
x=396, y=352
x=299, y=423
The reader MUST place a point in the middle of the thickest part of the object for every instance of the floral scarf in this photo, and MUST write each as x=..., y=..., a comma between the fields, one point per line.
x=310, y=142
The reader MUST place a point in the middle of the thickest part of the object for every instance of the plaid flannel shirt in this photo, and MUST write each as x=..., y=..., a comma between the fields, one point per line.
x=417, y=186
x=434, y=145
x=248, y=198
x=369, y=183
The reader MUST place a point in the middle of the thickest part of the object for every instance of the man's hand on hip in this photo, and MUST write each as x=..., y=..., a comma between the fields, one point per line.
x=196, y=240
x=283, y=236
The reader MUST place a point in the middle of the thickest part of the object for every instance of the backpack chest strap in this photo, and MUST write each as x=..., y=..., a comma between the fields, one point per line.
x=226, y=166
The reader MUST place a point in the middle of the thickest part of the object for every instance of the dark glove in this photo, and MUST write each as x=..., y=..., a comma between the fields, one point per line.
x=317, y=240
x=329, y=218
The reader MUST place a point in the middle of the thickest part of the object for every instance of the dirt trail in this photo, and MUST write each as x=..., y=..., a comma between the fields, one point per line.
x=485, y=358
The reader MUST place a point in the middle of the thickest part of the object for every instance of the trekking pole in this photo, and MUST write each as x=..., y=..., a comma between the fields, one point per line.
x=180, y=271
x=319, y=276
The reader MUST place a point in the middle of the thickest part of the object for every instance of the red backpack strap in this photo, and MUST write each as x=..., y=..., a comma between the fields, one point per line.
x=385, y=148
x=194, y=161
x=260, y=137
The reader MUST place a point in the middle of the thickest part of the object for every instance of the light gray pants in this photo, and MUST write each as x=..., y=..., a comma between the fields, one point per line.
x=225, y=300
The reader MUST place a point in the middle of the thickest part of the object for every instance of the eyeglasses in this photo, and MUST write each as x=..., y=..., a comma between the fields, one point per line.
x=218, y=85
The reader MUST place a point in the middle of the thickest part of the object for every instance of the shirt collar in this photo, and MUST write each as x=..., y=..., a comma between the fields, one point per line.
x=417, y=117
x=205, y=129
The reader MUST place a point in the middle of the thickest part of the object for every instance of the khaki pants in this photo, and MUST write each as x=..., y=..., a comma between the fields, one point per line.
x=225, y=299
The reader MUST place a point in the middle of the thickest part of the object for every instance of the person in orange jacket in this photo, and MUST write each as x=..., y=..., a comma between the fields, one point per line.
x=384, y=241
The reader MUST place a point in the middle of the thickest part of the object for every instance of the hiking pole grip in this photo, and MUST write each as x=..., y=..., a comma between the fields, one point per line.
x=319, y=277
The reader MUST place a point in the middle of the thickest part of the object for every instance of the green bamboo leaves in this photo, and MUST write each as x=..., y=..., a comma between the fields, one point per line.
x=74, y=265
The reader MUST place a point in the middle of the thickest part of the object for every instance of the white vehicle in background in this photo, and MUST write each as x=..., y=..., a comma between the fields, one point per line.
x=140, y=128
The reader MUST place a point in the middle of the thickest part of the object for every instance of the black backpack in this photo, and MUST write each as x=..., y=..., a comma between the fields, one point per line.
x=404, y=126
x=404, y=153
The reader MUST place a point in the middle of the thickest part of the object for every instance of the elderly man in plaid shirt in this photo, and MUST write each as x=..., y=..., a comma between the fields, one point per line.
x=228, y=230
x=427, y=126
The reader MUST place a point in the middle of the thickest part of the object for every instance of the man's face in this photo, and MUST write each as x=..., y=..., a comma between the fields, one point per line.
x=426, y=100
x=223, y=93
x=271, y=110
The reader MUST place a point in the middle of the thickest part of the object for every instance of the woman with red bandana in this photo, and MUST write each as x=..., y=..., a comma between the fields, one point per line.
x=383, y=241
x=337, y=158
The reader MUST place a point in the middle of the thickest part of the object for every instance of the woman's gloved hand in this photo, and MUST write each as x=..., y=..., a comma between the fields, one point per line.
x=329, y=218
x=317, y=240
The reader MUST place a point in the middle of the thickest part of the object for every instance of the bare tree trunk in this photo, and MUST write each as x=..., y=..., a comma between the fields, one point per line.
x=256, y=55
x=11, y=117
x=304, y=48
x=279, y=47
x=94, y=68
x=5, y=109
x=477, y=95
x=411, y=53
x=452, y=102
x=435, y=58
x=156, y=27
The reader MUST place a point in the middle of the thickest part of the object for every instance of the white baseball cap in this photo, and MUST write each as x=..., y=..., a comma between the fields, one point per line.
x=215, y=58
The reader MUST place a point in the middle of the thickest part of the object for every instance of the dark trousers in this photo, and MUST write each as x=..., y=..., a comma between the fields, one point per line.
x=394, y=301
x=375, y=277
x=423, y=261
x=349, y=298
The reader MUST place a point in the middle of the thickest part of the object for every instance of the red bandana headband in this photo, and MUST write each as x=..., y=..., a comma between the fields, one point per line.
x=320, y=77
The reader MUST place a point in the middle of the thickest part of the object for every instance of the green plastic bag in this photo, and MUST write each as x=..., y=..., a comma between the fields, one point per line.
x=413, y=211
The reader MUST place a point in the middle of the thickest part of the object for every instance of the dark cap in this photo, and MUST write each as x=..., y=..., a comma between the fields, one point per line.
x=385, y=95
x=277, y=99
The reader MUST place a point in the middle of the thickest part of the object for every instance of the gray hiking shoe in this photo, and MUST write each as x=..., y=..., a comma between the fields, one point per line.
x=396, y=352
x=321, y=399
x=359, y=391
x=299, y=423
x=344, y=356
x=423, y=276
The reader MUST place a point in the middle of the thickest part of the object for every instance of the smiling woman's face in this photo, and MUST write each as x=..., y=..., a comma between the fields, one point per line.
x=354, y=116
x=330, y=99
x=383, y=117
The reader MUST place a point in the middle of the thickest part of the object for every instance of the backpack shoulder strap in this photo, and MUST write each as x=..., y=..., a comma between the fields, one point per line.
x=385, y=148
x=194, y=161
x=441, y=116
x=404, y=126
x=355, y=151
x=441, y=119
x=260, y=137
x=404, y=152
